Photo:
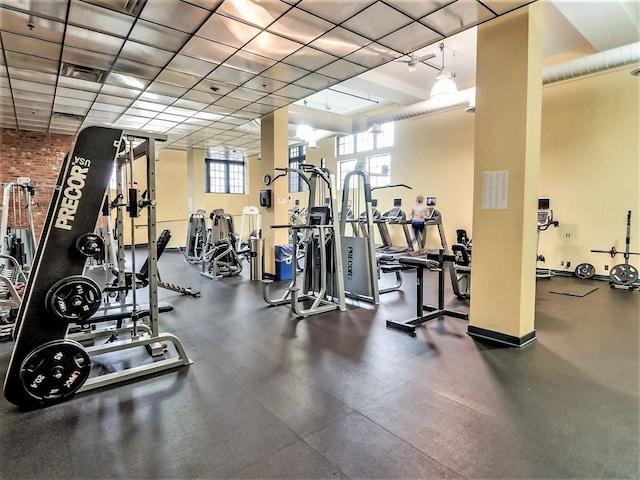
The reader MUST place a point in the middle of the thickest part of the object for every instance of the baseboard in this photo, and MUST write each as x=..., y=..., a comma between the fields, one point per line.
x=500, y=338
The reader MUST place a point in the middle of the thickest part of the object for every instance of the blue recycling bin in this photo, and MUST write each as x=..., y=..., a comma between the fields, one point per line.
x=284, y=262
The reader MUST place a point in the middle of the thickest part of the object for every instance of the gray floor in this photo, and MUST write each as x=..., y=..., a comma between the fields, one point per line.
x=340, y=396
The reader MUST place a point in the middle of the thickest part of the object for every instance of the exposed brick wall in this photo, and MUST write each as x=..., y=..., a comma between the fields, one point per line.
x=38, y=156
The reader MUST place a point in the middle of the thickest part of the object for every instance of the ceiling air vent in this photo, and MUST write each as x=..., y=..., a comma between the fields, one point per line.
x=82, y=73
x=130, y=7
x=68, y=116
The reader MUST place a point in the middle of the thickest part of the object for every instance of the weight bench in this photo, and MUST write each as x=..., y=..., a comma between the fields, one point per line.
x=433, y=262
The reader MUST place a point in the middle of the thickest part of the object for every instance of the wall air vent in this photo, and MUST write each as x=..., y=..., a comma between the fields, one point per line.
x=130, y=7
x=68, y=116
x=82, y=73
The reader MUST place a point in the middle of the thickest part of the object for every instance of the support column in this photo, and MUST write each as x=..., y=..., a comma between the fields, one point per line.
x=274, y=149
x=196, y=177
x=506, y=172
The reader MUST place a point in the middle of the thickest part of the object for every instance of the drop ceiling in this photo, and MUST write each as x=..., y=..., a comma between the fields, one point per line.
x=205, y=71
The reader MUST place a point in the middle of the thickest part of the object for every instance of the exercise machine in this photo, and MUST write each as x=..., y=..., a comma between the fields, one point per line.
x=197, y=237
x=221, y=257
x=322, y=286
x=12, y=283
x=46, y=367
x=623, y=275
x=545, y=221
x=18, y=237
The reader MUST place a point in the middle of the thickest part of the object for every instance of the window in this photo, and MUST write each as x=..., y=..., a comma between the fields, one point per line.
x=297, y=156
x=379, y=170
x=366, y=141
x=225, y=176
x=345, y=167
x=378, y=167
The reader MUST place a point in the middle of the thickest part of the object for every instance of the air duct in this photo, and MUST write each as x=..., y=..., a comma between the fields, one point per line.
x=597, y=62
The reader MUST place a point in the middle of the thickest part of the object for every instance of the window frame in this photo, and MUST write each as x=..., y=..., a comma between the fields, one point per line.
x=228, y=173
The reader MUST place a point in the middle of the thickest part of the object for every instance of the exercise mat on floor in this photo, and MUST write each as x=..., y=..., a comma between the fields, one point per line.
x=575, y=291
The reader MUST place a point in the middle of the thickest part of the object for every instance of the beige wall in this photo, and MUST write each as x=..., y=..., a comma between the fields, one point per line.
x=589, y=169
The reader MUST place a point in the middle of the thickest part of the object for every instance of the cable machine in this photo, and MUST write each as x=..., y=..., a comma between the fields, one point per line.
x=322, y=274
x=18, y=238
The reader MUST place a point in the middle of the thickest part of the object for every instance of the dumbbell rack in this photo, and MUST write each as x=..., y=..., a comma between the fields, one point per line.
x=46, y=366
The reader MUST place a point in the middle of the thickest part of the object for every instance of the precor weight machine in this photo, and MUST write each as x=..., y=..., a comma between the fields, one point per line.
x=45, y=366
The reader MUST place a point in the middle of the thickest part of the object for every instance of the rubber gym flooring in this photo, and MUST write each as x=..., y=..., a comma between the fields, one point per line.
x=341, y=396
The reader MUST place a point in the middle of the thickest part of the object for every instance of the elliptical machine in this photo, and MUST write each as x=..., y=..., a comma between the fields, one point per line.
x=545, y=220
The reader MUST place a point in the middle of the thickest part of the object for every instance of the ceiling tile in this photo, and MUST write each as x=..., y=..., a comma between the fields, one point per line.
x=260, y=108
x=189, y=104
x=227, y=30
x=118, y=91
x=29, y=62
x=249, y=62
x=181, y=16
x=143, y=105
x=176, y=78
x=272, y=46
x=503, y=6
x=79, y=84
x=126, y=81
x=198, y=123
x=260, y=13
x=192, y=66
x=37, y=101
x=339, y=42
x=232, y=103
x=139, y=112
x=31, y=46
x=69, y=109
x=274, y=101
x=32, y=76
x=159, y=126
x=309, y=58
x=111, y=99
x=37, y=88
x=316, y=82
x=90, y=40
x=295, y=92
x=214, y=90
x=157, y=99
x=201, y=96
x=215, y=109
x=457, y=17
x=166, y=89
x=377, y=21
x=244, y=114
x=56, y=9
x=229, y=75
x=170, y=118
x=337, y=11
x=74, y=93
x=248, y=94
x=300, y=26
x=145, y=54
x=106, y=107
x=206, y=115
x=373, y=55
x=419, y=9
x=284, y=72
x=411, y=38
x=265, y=85
x=183, y=112
x=87, y=59
x=71, y=102
x=158, y=36
x=131, y=122
x=136, y=69
x=45, y=29
x=207, y=50
x=341, y=70
x=101, y=19
x=208, y=4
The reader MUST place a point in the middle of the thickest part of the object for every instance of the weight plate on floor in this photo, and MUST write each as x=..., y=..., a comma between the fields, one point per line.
x=623, y=274
x=585, y=271
x=74, y=298
x=90, y=245
x=55, y=371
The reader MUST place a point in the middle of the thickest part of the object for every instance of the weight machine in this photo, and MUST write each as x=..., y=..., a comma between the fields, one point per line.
x=197, y=237
x=322, y=276
x=545, y=221
x=46, y=366
x=19, y=238
x=623, y=275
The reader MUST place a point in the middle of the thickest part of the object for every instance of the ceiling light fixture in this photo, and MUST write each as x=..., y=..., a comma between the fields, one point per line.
x=445, y=89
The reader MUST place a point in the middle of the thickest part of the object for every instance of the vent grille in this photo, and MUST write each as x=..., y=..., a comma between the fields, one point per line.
x=82, y=73
x=130, y=7
x=68, y=116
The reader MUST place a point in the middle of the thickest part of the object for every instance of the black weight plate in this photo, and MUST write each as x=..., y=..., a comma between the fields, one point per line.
x=55, y=371
x=90, y=245
x=585, y=271
x=623, y=274
x=74, y=298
